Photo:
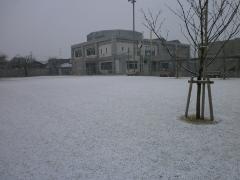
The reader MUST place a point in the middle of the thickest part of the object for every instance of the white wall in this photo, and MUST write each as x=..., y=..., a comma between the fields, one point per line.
x=122, y=48
x=148, y=47
x=103, y=52
x=117, y=66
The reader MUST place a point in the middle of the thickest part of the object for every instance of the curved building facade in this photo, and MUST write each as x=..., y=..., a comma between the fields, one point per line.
x=120, y=52
x=117, y=34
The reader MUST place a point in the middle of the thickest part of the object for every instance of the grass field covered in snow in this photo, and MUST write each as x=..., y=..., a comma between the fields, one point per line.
x=115, y=127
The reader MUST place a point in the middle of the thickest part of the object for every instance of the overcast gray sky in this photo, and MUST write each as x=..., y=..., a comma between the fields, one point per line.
x=49, y=27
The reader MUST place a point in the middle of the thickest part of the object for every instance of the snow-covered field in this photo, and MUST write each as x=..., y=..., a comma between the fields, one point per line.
x=114, y=127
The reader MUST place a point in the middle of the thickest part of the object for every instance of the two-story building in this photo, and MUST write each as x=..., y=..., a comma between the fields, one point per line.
x=112, y=52
x=225, y=58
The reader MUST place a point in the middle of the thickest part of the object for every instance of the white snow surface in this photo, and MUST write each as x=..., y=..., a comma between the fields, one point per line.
x=115, y=127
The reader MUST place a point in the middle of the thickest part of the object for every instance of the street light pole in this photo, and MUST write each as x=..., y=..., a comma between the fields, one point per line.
x=134, y=49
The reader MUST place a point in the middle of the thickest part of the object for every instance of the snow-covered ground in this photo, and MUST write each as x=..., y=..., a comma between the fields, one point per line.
x=116, y=127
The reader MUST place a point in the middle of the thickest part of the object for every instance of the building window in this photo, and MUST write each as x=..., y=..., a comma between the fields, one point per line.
x=106, y=50
x=106, y=66
x=122, y=49
x=101, y=51
x=78, y=53
x=90, y=51
x=132, y=65
x=164, y=66
x=149, y=50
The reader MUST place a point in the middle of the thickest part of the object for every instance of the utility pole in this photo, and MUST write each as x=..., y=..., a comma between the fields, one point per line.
x=134, y=49
x=150, y=62
x=60, y=53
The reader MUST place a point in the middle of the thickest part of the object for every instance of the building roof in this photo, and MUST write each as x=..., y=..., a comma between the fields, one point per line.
x=115, y=33
x=120, y=35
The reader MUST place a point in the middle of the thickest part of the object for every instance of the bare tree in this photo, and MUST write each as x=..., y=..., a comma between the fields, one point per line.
x=22, y=63
x=204, y=23
x=3, y=58
x=155, y=24
x=3, y=61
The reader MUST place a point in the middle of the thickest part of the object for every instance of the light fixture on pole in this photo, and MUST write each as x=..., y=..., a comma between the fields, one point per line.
x=133, y=2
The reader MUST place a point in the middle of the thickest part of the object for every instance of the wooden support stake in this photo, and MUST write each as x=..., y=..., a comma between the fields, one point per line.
x=210, y=101
x=203, y=100
x=189, y=97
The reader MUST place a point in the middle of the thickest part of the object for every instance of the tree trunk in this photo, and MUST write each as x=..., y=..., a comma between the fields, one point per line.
x=25, y=71
x=177, y=68
x=224, y=65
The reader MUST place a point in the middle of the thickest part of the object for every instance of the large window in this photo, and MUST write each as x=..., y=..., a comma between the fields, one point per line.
x=90, y=51
x=78, y=53
x=164, y=65
x=106, y=66
x=131, y=64
x=149, y=50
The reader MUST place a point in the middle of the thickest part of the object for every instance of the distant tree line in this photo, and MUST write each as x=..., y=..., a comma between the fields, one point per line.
x=19, y=64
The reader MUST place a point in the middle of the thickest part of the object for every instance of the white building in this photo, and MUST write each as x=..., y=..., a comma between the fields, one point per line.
x=112, y=52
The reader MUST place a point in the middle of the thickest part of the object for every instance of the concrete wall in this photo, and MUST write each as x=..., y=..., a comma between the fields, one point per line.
x=124, y=47
x=105, y=50
x=79, y=66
